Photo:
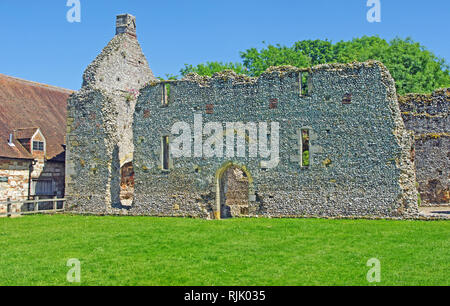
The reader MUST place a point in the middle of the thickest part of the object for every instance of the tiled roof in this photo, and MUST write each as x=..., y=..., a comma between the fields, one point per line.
x=25, y=133
x=25, y=104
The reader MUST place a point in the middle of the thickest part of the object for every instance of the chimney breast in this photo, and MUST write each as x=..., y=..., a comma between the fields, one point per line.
x=126, y=23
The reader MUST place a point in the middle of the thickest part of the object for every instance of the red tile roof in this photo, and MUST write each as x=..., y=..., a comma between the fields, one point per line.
x=25, y=133
x=25, y=104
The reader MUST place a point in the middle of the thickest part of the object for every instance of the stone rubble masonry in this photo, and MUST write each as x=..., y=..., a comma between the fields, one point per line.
x=16, y=188
x=428, y=117
x=360, y=151
x=235, y=188
x=99, y=123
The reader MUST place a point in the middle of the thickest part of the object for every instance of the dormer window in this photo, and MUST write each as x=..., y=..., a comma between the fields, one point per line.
x=38, y=146
x=32, y=140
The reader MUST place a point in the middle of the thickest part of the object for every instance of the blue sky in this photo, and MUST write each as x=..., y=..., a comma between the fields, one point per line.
x=39, y=44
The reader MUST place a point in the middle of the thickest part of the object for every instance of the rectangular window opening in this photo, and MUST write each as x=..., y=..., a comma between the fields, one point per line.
x=210, y=108
x=273, y=103
x=347, y=99
x=305, y=86
x=165, y=94
x=165, y=152
x=304, y=148
x=38, y=146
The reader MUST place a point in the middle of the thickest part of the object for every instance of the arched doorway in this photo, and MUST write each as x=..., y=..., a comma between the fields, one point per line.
x=233, y=184
x=127, y=184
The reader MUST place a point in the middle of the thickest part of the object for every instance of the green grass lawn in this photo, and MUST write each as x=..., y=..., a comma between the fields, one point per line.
x=168, y=251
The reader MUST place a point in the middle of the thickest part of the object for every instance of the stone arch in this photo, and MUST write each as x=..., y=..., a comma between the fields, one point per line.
x=234, y=202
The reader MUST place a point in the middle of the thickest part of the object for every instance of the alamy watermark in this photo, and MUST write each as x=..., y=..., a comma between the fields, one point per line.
x=74, y=274
x=74, y=13
x=220, y=140
x=374, y=13
x=374, y=274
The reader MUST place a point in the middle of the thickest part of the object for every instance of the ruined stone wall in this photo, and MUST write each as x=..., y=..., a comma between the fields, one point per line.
x=360, y=151
x=428, y=117
x=347, y=121
x=99, y=124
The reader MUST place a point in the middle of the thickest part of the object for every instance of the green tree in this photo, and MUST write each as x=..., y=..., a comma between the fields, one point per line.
x=414, y=68
x=212, y=67
x=258, y=61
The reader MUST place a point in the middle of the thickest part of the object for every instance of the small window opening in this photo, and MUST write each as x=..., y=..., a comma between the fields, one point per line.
x=273, y=103
x=210, y=108
x=38, y=146
x=305, y=152
x=165, y=94
x=305, y=86
x=165, y=153
x=347, y=98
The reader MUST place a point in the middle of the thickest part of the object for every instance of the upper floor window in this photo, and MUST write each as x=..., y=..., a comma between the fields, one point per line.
x=38, y=146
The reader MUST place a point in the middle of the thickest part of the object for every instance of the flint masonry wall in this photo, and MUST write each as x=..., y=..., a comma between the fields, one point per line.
x=360, y=151
x=99, y=124
x=428, y=117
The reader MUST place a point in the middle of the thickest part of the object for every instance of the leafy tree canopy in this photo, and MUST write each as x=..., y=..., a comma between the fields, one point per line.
x=414, y=68
x=212, y=67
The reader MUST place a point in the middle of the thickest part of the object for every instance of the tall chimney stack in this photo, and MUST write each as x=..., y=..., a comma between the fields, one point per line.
x=126, y=23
